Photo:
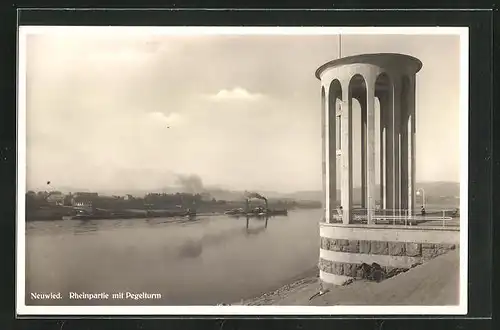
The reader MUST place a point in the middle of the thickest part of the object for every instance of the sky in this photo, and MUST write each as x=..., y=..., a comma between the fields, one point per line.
x=112, y=111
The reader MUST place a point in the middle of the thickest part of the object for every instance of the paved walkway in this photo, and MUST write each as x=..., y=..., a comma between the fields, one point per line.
x=435, y=283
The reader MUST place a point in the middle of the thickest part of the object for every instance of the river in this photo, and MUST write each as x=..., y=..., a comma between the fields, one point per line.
x=206, y=261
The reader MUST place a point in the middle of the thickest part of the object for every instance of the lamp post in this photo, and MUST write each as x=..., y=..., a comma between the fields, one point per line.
x=421, y=191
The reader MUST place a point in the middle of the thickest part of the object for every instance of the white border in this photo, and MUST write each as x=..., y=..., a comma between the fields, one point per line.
x=22, y=309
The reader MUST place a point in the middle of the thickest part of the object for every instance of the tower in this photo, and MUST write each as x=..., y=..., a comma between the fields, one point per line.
x=390, y=78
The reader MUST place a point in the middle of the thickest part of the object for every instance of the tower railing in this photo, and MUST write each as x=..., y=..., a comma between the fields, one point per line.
x=403, y=217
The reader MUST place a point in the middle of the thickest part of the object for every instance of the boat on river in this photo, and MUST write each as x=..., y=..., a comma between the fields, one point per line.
x=96, y=214
x=257, y=212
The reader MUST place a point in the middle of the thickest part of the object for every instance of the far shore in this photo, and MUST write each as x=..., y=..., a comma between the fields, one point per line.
x=139, y=214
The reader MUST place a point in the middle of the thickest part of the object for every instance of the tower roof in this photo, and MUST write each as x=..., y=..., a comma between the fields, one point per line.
x=379, y=59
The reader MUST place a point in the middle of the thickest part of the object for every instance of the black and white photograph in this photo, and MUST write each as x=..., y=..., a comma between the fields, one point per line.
x=242, y=170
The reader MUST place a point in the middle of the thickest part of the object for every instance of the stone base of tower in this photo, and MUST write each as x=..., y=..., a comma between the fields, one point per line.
x=376, y=252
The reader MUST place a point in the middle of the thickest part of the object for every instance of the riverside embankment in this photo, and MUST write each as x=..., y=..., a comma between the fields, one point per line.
x=435, y=283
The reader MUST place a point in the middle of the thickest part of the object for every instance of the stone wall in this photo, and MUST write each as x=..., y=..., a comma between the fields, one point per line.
x=410, y=249
x=366, y=257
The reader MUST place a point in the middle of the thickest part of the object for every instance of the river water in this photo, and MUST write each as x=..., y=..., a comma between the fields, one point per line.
x=209, y=260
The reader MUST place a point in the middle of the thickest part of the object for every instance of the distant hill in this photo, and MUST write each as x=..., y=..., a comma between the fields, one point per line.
x=227, y=195
x=306, y=195
x=432, y=190
x=438, y=189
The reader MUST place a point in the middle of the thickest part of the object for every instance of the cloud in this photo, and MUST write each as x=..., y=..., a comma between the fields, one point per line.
x=172, y=118
x=236, y=93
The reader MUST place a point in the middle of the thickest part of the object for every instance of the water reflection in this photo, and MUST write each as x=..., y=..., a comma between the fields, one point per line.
x=175, y=220
x=191, y=249
x=85, y=227
x=258, y=230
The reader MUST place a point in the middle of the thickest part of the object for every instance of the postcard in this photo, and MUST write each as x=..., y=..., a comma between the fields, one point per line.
x=242, y=170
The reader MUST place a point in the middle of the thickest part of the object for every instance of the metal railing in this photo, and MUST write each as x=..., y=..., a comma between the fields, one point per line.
x=395, y=217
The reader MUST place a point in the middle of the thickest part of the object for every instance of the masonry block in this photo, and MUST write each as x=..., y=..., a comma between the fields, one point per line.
x=434, y=250
x=321, y=264
x=413, y=249
x=428, y=253
x=365, y=247
x=379, y=247
x=350, y=269
x=329, y=267
x=325, y=243
x=343, y=242
x=338, y=268
x=444, y=247
x=335, y=245
x=352, y=247
x=397, y=249
x=325, y=265
x=427, y=245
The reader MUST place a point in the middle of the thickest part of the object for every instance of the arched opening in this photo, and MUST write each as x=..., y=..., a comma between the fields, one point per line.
x=358, y=114
x=357, y=145
x=378, y=153
x=356, y=159
x=334, y=143
x=383, y=164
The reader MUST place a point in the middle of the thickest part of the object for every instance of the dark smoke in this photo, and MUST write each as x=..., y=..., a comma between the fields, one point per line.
x=254, y=195
x=191, y=184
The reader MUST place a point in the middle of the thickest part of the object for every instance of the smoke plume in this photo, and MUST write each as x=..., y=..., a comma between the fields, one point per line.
x=191, y=184
x=254, y=195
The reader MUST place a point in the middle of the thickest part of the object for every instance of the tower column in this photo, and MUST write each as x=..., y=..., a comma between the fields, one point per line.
x=382, y=151
x=370, y=141
x=324, y=152
x=396, y=159
x=389, y=147
x=403, y=126
x=346, y=157
x=412, y=130
x=364, y=193
x=332, y=146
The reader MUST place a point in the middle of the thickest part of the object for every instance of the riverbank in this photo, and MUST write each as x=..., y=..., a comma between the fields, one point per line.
x=67, y=213
x=435, y=283
x=139, y=216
